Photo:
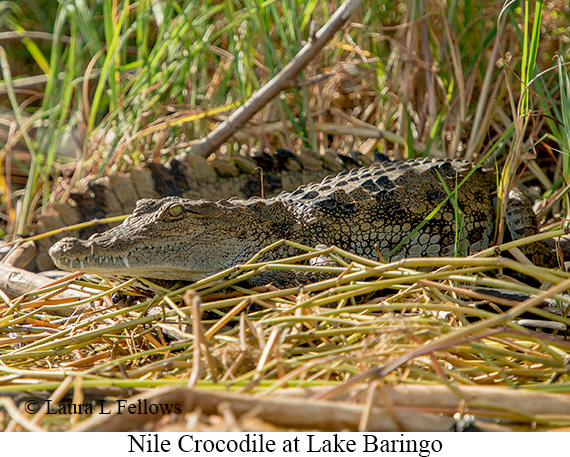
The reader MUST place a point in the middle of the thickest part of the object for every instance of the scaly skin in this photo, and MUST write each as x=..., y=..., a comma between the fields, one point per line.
x=188, y=176
x=364, y=211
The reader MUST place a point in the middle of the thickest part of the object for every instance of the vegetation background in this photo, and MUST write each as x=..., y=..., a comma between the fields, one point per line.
x=90, y=88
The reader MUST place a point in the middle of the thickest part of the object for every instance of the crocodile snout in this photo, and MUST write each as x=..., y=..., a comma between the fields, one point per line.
x=68, y=249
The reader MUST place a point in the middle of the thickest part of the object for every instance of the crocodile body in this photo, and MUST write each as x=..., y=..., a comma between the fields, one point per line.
x=365, y=211
x=188, y=176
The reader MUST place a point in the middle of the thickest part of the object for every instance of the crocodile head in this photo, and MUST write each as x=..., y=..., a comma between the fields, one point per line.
x=170, y=238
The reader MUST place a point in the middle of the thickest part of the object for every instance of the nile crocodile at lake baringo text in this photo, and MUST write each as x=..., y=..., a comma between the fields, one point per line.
x=366, y=211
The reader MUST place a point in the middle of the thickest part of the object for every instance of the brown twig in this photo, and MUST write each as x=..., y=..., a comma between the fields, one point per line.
x=43, y=36
x=260, y=98
x=288, y=412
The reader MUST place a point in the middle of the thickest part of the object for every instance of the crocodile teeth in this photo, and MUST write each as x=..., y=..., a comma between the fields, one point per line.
x=81, y=264
x=92, y=247
x=125, y=261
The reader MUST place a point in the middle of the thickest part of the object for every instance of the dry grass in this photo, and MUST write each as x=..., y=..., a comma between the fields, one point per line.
x=377, y=346
x=390, y=323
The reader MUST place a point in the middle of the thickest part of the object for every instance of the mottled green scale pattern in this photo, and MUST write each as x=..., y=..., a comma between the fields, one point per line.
x=365, y=211
x=381, y=205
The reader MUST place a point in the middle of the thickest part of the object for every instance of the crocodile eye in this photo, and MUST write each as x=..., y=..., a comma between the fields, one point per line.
x=176, y=211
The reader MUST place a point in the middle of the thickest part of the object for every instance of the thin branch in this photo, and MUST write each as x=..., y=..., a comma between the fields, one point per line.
x=43, y=36
x=260, y=98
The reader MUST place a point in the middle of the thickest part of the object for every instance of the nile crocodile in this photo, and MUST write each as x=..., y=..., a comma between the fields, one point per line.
x=188, y=176
x=366, y=211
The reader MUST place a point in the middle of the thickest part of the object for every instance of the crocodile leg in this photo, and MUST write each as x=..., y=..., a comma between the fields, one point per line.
x=521, y=222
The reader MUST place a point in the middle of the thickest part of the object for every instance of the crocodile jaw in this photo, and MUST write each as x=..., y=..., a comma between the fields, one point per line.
x=72, y=254
x=169, y=238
